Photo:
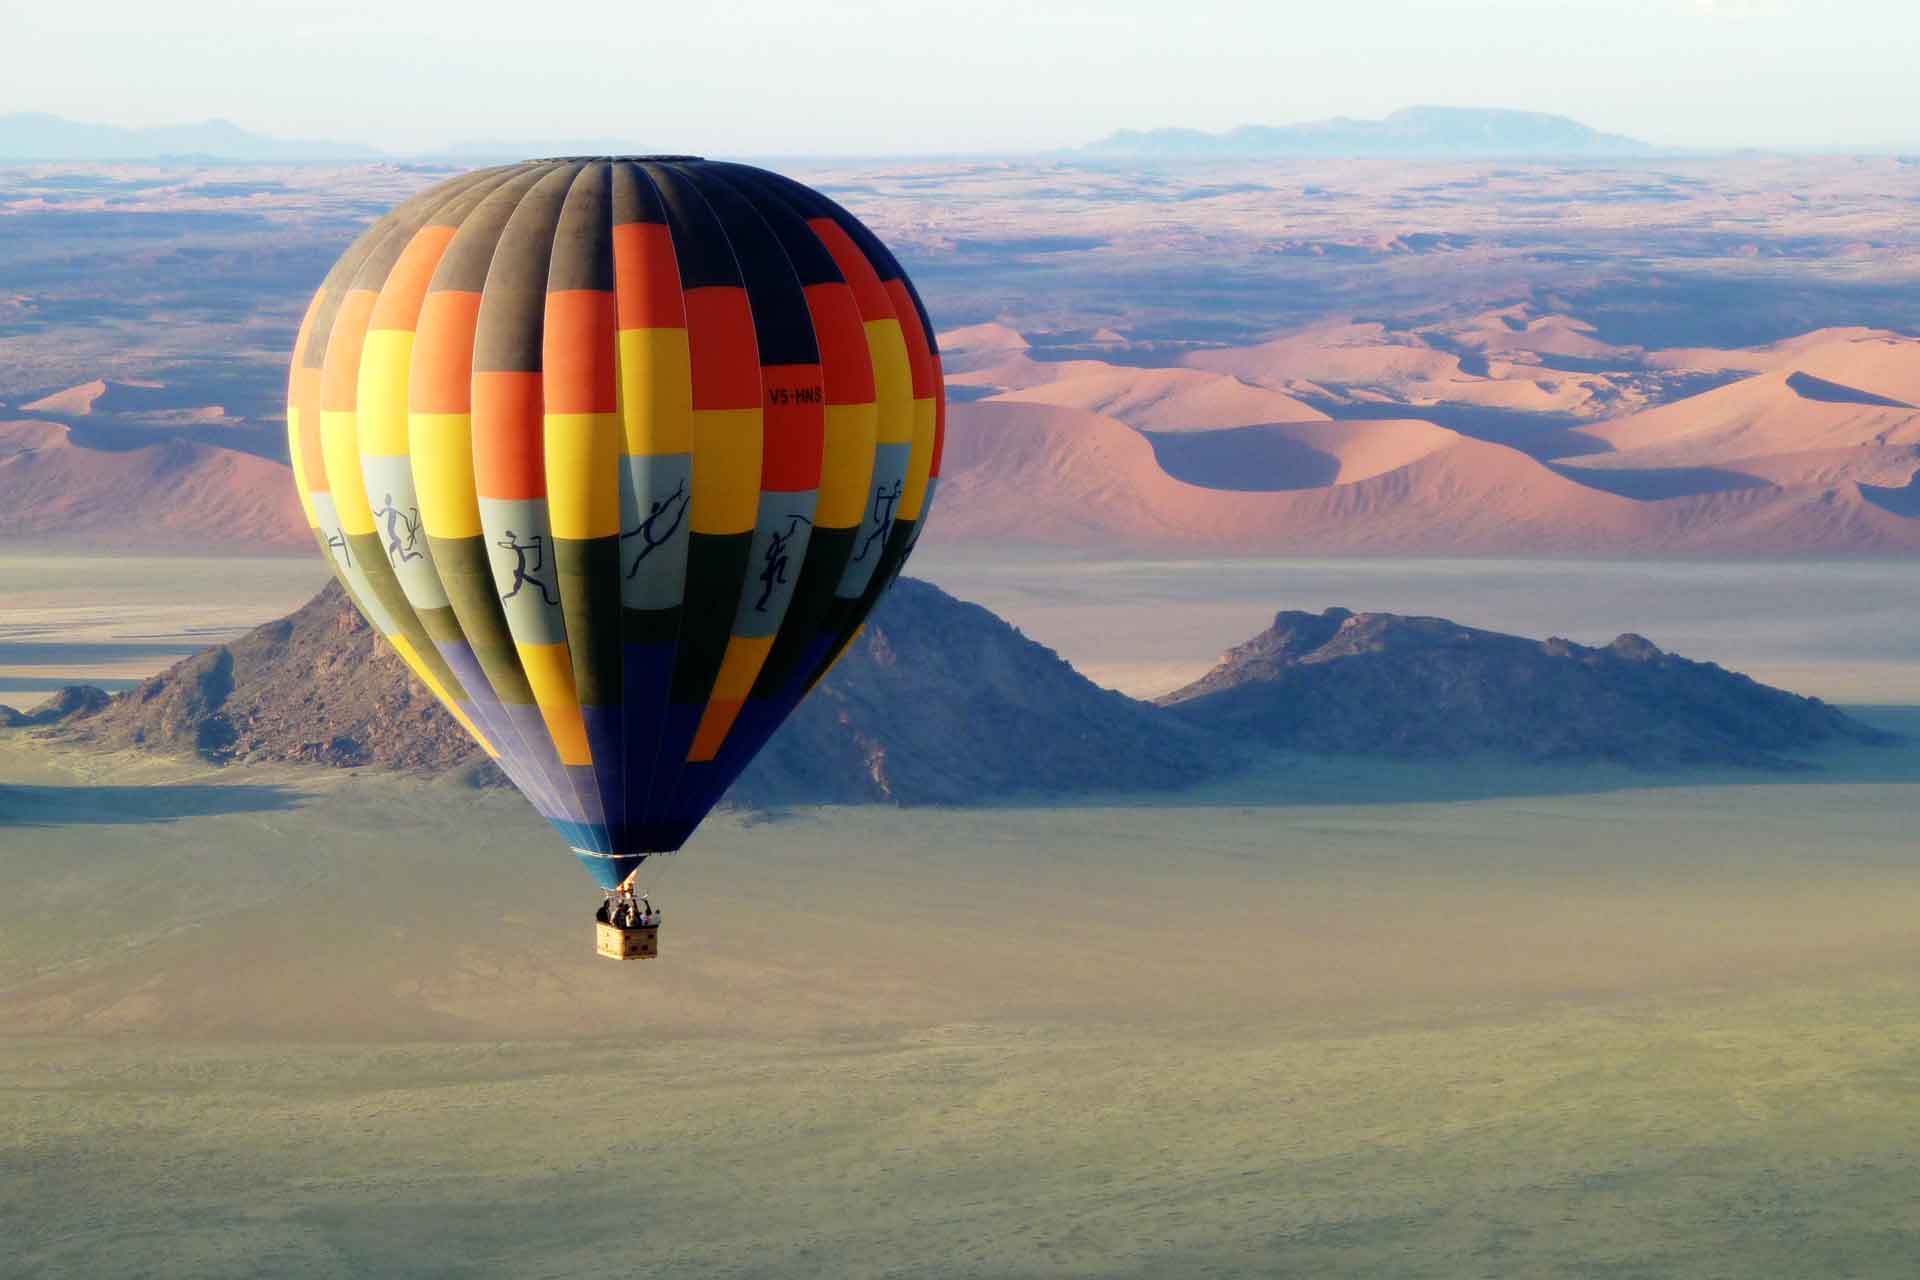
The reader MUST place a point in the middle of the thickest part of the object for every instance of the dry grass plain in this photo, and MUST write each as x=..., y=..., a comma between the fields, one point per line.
x=1329, y=1019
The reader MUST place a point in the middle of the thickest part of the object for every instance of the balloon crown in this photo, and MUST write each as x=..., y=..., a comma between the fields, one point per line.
x=630, y=159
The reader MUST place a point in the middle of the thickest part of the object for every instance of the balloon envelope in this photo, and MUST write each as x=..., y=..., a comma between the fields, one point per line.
x=618, y=454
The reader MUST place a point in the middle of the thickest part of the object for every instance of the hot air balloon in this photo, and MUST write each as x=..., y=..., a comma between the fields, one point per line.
x=617, y=453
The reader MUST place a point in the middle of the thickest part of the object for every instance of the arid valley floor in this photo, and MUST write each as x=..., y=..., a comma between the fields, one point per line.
x=1331, y=1017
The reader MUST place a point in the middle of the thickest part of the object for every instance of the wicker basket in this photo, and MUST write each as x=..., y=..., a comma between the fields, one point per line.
x=642, y=942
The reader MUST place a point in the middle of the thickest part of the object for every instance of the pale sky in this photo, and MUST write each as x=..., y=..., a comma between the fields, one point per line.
x=763, y=77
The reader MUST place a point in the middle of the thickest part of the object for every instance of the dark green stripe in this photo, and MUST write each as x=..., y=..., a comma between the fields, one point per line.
x=513, y=305
x=590, y=602
x=716, y=571
x=468, y=578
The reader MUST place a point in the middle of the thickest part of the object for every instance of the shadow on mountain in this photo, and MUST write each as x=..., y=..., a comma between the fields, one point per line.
x=1902, y=500
x=80, y=806
x=1652, y=484
x=1243, y=459
x=1808, y=387
x=1543, y=436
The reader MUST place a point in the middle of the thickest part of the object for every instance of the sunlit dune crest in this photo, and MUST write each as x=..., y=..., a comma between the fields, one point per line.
x=1168, y=399
x=174, y=495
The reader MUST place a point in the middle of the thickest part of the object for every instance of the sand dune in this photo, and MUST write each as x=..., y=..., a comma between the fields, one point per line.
x=1783, y=411
x=1302, y=455
x=1166, y=399
x=1369, y=364
x=1518, y=329
x=1045, y=474
x=1818, y=346
x=1358, y=353
x=175, y=495
x=1050, y=474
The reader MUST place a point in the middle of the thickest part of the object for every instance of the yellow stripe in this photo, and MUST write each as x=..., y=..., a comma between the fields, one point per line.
x=726, y=470
x=892, y=380
x=655, y=390
x=583, y=474
x=738, y=669
x=846, y=465
x=299, y=471
x=408, y=655
x=340, y=448
x=550, y=674
x=385, y=362
x=920, y=461
x=442, y=452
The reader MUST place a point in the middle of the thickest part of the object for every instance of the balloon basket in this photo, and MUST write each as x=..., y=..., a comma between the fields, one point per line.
x=638, y=942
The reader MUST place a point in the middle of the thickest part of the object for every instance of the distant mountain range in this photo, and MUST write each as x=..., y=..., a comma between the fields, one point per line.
x=1416, y=132
x=1413, y=132
x=31, y=135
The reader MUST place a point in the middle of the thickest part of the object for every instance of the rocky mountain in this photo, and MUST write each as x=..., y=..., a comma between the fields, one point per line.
x=1415, y=132
x=1381, y=683
x=72, y=701
x=939, y=702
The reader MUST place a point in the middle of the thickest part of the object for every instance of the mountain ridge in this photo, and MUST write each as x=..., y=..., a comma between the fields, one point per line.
x=1418, y=131
x=1424, y=687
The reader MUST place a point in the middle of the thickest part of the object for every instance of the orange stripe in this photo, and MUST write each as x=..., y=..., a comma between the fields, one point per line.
x=845, y=359
x=509, y=458
x=853, y=264
x=406, y=286
x=313, y=461
x=577, y=352
x=298, y=363
x=796, y=428
x=726, y=356
x=714, y=724
x=647, y=278
x=442, y=378
x=919, y=352
x=340, y=389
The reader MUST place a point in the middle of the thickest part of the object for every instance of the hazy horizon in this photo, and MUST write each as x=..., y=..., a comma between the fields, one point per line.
x=1686, y=74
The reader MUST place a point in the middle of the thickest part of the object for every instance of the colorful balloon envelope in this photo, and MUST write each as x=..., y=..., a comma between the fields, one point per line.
x=617, y=454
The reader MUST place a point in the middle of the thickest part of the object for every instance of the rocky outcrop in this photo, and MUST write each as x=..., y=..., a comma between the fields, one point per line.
x=74, y=700
x=1384, y=684
x=937, y=702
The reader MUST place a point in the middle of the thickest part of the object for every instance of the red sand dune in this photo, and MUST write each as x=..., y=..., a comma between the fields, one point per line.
x=1784, y=411
x=1346, y=353
x=1517, y=329
x=102, y=395
x=1820, y=345
x=173, y=496
x=1044, y=474
x=1166, y=399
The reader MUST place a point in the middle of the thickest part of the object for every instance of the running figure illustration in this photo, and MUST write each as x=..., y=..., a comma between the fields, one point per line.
x=883, y=516
x=521, y=574
x=676, y=502
x=776, y=560
x=396, y=521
